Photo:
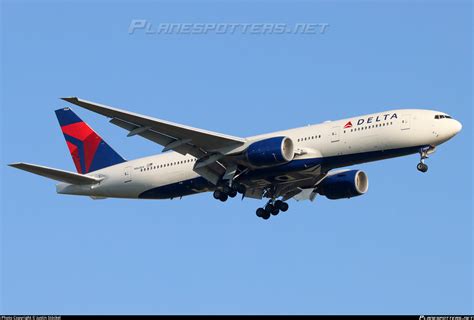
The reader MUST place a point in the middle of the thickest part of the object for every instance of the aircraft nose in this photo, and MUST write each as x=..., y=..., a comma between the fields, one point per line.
x=457, y=126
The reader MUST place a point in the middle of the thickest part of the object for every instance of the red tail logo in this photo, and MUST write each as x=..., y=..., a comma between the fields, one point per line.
x=348, y=125
x=89, y=152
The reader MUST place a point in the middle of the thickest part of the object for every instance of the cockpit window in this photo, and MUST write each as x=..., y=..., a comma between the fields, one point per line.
x=442, y=116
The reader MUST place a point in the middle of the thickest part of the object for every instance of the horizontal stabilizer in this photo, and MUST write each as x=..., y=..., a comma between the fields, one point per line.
x=56, y=174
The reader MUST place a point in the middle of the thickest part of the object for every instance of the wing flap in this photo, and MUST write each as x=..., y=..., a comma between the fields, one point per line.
x=56, y=174
x=156, y=137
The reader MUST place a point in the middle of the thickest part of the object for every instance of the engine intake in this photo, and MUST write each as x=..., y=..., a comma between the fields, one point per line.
x=346, y=184
x=271, y=151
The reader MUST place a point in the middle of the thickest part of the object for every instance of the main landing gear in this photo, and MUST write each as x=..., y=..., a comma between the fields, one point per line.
x=422, y=166
x=272, y=208
x=225, y=192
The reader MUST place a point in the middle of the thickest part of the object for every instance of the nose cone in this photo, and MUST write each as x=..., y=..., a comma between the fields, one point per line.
x=457, y=126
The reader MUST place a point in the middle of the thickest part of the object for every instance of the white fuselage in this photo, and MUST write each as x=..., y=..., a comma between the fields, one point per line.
x=337, y=143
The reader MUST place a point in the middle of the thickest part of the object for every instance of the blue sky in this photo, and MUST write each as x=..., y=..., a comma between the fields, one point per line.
x=404, y=247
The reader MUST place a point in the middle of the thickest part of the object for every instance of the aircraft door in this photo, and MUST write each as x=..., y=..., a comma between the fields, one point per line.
x=405, y=124
x=335, y=134
x=127, y=174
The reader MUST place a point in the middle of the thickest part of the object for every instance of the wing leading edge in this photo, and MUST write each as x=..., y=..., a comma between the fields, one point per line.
x=172, y=136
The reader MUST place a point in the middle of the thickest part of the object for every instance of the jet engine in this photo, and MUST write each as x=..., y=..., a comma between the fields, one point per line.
x=271, y=151
x=346, y=184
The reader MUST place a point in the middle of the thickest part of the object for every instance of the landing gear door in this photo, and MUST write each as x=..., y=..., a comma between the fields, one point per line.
x=127, y=174
x=405, y=124
x=335, y=133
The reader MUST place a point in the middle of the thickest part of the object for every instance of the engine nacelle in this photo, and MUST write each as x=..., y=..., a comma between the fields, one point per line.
x=346, y=184
x=271, y=151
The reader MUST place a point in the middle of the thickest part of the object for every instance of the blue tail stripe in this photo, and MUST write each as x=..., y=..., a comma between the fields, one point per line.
x=105, y=156
x=66, y=116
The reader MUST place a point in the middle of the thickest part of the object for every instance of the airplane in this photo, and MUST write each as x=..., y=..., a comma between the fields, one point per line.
x=295, y=164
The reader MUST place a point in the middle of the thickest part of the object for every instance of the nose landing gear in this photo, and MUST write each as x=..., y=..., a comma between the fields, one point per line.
x=423, y=167
x=424, y=152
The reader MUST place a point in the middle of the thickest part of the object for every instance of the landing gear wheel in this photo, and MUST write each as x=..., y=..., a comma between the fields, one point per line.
x=422, y=167
x=266, y=215
x=260, y=212
x=283, y=206
x=217, y=194
x=275, y=211
x=269, y=207
x=223, y=197
x=226, y=189
x=232, y=193
x=278, y=203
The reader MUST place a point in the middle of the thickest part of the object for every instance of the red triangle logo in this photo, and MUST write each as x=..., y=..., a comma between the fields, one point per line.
x=348, y=125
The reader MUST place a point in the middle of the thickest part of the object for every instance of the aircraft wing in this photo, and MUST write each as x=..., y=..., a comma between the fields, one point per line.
x=172, y=136
x=56, y=174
